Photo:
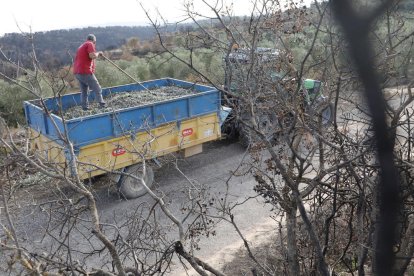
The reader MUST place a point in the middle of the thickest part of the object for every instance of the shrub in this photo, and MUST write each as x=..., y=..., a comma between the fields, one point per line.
x=11, y=103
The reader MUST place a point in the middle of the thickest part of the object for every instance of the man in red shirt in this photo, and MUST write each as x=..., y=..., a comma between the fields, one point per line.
x=84, y=70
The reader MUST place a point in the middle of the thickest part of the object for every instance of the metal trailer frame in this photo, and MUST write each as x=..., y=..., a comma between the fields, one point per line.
x=124, y=137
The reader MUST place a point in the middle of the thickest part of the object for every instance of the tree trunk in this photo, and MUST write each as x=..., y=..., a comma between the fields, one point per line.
x=363, y=249
x=292, y=250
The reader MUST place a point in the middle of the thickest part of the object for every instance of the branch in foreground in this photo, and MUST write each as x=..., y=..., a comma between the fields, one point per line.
x=195, y=262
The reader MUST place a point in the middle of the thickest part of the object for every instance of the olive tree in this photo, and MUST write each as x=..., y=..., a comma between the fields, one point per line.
x=335, y=182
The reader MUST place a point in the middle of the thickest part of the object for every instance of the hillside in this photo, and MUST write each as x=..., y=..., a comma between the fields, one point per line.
x=54, y=48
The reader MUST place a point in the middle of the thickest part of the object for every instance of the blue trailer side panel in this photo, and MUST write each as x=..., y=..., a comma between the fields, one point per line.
x=36, y=118
x=100, y=127
x=90, y=129
x=130, y=121
x=171, y=111
x=205, y=104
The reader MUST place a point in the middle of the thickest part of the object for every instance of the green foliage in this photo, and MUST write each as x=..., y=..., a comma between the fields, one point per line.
x=160, y=66
x=108, y=75
x=11, y=103
x=406, y=6
x=138, y=68
x=398, y=62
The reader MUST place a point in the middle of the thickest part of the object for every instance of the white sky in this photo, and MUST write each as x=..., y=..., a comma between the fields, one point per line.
x=45, y=15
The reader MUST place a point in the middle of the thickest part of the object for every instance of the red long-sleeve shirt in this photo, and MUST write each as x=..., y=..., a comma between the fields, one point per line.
x=83, y=63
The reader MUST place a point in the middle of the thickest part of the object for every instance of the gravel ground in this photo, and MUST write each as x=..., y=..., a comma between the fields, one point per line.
x=129, y=99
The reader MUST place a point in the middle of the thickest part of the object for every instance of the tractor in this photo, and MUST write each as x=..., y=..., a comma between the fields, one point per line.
x=264, y=99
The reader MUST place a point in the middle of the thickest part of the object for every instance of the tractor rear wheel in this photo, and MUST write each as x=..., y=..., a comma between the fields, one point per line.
x=327, y=114
x=305, y=144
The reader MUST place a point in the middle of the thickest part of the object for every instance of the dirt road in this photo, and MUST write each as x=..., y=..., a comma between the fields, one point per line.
x=210, y=169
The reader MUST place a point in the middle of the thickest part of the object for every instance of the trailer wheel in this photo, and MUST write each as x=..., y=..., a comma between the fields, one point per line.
x=130, y=187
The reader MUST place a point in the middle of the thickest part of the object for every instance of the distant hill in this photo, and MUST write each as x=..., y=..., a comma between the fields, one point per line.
x=53, y=47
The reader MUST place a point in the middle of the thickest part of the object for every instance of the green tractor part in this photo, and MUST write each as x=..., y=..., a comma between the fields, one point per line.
x=313, y=89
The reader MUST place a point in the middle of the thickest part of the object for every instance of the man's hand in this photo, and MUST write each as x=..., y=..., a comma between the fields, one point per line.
x=101, y=55
x=95, y=55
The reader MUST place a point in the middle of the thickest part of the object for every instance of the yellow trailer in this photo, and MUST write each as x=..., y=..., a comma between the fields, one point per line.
x=121, y=139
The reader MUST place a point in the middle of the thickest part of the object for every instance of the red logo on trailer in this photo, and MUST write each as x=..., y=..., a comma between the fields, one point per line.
x=187, y=132
x=118, y=151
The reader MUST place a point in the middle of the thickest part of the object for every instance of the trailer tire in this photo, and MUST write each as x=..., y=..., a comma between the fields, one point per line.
x=130, y=187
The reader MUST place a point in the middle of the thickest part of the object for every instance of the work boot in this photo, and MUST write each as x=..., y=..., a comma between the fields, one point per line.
x=86, y=108
x=102, y=105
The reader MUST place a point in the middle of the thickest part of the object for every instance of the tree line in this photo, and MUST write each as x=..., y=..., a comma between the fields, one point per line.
x=56, y=48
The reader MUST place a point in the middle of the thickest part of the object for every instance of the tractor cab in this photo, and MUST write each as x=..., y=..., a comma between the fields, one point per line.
x=238, y=65
x=312, y=89
x=245, y=55
x=258, y=76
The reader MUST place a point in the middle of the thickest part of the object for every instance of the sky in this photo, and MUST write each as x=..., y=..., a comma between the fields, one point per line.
x=45, y=15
